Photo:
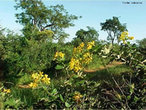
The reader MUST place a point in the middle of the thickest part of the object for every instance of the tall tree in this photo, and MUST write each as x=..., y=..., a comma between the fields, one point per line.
x=35, y=15
x=87, y=35
x=142, y=46
x=114, y=28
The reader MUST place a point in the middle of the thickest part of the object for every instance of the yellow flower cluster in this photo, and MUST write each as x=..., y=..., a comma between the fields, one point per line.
x=82, y=45
x=78, y=49
x=75, y=65
x=77, y=97
x=81, y=56
x=125, y=36
x=59, y=55
x=90, y=45
x=33, y=85
x=39, y=78
x=87, y=58
x=131, y=38
x=45, y=79
x=7, y=91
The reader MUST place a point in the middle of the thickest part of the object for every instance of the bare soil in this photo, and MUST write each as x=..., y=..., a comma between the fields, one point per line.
x=114, y=63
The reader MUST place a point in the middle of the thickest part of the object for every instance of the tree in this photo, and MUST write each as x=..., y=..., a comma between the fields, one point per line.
x=142, y=46
x=36, y=16
x=87, y=35
x=114, y=28
x=142, y=43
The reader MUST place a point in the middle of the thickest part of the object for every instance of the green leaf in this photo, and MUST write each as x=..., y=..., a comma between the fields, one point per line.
x=54, y=91
x=128, y=97
x=75, y=76
x=58, y=67
x=67, y=105
x=61, y=98
x=97, y=84
x=136, y=99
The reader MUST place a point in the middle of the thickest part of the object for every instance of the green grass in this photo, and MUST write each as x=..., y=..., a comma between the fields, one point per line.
x=25, y=79
x=27, y=95
x=97, y=62
x=106, y=74
x=117, y=70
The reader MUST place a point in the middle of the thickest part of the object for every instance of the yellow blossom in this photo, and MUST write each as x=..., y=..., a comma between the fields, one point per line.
x=82, y=45
x=35, y=76
x=93, y=43
x=45, y=79
x=33, y=85
x=87, y=58
x=74, y=50
x=40, y=74
x=72, y=63
x=86, y=55
x=59, y=55
x=39, y=78
x=6, y=91
x=56, y=55
x=75, y=65
x=81, y=56
x=90, y=45
x=77, y=97
x=124, y=37
x=131, y=38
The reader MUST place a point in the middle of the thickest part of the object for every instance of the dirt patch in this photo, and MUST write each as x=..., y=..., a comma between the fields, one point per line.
x=24, y=86
x=114, y=63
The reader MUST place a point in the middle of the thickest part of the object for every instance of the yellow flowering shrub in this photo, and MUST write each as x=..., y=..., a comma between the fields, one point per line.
x=125, y=36
x=87, y=58
x=39, y=78
x=59, y=55
x=81, y=57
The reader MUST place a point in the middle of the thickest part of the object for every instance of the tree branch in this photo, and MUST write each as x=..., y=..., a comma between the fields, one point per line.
x=49, y=25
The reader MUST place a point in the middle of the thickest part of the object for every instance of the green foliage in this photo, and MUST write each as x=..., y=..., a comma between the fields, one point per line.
x=142, y=43
x=35, y=15
x=106, y=89
x=142, y=46
x=22, y=55
x=113, y=28
x=85, y=36
x=120, y=87
x=129, y=92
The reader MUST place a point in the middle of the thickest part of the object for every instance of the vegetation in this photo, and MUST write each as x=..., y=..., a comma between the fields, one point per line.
x=37, y=17
x=114, y=28
x=86, y=73
x=85, y=36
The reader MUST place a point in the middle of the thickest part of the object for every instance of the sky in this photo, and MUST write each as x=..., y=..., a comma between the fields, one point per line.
x=93, y=12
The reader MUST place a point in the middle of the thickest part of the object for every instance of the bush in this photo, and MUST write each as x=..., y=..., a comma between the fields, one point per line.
x=21, y=55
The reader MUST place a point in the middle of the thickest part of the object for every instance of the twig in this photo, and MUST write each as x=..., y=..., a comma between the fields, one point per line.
x=121, y=92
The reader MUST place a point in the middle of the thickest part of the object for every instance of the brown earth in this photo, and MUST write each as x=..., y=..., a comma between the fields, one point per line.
x=114, y=63
x=23, y=86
